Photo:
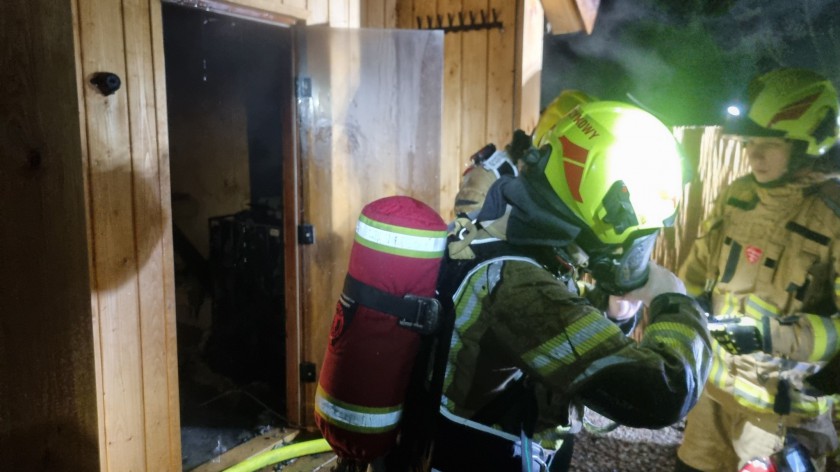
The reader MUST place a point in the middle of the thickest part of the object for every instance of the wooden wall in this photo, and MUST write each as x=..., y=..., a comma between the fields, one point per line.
x=89, y=365
x=130, y=235
x=370, y=128
x=491, y=82
x=48, y=418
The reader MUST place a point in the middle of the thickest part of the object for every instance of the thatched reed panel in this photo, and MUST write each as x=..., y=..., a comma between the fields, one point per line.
x=712, y=162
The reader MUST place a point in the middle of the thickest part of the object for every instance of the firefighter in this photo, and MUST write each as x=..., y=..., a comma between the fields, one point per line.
x=767, y=265
x=527, y=350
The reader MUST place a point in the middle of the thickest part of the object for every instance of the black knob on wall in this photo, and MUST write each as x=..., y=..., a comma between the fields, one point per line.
x=106, y=82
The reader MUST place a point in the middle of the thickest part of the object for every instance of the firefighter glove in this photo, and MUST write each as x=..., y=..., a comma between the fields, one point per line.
x=741, y=336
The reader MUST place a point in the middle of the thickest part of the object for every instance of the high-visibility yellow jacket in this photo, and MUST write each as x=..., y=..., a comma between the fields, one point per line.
x=772, y=254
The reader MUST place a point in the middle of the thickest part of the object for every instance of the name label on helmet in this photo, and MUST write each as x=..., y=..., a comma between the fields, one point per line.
x=584, y=125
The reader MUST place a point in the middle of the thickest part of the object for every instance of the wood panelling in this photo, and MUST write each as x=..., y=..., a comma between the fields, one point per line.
x=475, y=58
x=454, y=154
x=529, y=53
x=172, y=421
x=48, y=418
x=155, y=297
x=344, y=13
x=481, y=102
x=501, y=74
x=370, y=129
x=89, y=364
x=319, y=12
x=491, y=87
x=379, y=14
x=130, y=237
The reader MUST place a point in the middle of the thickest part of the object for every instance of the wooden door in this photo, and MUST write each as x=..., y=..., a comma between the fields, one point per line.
x=369, y=115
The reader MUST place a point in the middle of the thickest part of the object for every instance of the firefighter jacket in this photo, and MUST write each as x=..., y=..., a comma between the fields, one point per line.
x=772, y=254
x=518, y=322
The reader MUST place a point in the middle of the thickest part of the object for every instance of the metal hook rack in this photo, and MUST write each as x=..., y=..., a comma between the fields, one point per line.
x=462, y=22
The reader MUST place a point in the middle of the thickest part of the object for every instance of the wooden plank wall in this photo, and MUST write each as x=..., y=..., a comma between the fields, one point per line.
x=479, y=91
x=369, y=130
x=47, y=384
x=130, y=235
x=483, y=76
x=529, y=57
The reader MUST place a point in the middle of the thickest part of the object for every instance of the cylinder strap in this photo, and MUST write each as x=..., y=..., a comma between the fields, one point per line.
x=421, y=314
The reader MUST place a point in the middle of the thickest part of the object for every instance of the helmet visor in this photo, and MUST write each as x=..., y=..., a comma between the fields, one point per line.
x=744, y=127
x=620, y=273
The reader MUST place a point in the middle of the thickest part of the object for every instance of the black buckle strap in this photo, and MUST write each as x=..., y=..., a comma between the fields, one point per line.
x=421, y=314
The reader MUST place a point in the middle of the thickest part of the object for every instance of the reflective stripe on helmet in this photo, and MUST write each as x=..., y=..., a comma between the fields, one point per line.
x=400, y=240
x=357, y=418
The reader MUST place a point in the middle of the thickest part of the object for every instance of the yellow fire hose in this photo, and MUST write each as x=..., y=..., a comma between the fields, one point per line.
x=281, y=454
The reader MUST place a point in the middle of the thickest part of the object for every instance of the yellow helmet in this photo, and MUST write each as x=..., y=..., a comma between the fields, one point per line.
x=618, y=170
x=562, y=104
x=796, y=104
x=616, y=167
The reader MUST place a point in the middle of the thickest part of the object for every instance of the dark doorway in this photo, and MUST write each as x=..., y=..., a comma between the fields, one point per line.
x=229, y=98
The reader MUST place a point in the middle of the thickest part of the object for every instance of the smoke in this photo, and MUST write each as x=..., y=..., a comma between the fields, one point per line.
x=686, y=61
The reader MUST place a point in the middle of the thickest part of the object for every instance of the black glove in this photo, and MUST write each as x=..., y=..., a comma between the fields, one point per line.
x=741, y=336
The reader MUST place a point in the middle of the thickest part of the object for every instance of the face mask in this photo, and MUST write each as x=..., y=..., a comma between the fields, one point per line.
x=628, y=270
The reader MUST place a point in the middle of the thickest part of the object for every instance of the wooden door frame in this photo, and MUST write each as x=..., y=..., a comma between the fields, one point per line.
x=272, y=12
x=292, y=211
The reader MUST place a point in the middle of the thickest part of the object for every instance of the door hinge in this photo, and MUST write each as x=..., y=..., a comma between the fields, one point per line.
x=306, y=234
x=307, y=372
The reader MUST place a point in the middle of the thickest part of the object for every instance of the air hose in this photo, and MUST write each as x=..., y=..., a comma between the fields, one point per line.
x=281, y=454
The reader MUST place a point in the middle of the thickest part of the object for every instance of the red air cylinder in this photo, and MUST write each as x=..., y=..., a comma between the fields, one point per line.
x=398, y=248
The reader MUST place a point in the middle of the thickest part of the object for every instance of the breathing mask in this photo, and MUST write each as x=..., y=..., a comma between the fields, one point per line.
x=626, y=268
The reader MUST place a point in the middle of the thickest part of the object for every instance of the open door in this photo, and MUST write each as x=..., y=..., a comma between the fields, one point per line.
x=369, y=106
